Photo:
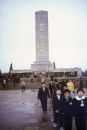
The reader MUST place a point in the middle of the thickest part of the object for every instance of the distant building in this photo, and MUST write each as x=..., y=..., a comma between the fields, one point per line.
x=21, y=71
x=73, y=72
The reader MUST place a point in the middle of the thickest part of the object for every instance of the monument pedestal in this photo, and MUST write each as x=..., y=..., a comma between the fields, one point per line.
x=42, y=66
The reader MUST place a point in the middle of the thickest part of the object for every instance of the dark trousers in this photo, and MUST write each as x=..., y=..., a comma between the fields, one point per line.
x=3, y=85
x=44, y=105
x=58, y=117
x=14, y=84
x=80, y=122
x=68, y=123
x=23, y=88
x=31, y=80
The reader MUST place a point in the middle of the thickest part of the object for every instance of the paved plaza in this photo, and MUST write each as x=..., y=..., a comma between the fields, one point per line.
x=22, y=111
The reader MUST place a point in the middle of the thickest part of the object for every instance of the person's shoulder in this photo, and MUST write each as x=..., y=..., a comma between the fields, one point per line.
x=77, y=99
x=40, y=88
x=71, y=99
x=74, y=99
x=62, y=97
x=55, y=97
x=85, y=99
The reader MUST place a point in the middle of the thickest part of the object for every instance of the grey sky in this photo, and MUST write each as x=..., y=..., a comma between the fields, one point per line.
x=67, y=32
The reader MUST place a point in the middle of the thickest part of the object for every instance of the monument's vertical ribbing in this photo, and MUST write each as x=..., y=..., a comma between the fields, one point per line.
x=41, y=30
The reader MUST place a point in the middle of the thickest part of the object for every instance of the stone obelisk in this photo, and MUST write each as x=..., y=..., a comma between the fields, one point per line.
x=42, y=43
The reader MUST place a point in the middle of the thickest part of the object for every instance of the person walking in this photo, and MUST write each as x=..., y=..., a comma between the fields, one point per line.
x=23, y=85
x=4, y=83
x=57, y=106
x=43, y=95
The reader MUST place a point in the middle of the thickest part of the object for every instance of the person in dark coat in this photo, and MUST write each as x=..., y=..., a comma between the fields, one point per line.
x=57, y=106
x=80, y=107
x=67, y=110
x=43, y=93
x=52, y=77
x=54, y=89
x=51, y=88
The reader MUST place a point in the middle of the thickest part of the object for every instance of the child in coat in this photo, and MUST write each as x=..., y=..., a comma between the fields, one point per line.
x=80, y=106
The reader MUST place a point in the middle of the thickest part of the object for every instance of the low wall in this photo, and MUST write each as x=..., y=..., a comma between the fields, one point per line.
x=36, y=84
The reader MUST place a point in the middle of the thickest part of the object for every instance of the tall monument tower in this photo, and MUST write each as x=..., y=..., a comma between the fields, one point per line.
x=42, y=43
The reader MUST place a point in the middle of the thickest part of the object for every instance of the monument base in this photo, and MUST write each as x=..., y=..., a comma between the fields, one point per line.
x=42, y=66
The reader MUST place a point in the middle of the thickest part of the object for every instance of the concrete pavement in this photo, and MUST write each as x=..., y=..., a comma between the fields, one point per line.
x=22, y=111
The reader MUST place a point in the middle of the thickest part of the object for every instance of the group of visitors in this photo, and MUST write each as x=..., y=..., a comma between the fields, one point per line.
x=5, y=79
x=67, y=104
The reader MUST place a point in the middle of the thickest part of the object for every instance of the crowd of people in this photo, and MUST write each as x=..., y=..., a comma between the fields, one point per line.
x=9, y=78
x=67, y=104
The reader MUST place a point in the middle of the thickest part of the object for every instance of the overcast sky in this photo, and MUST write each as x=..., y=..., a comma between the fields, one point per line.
x=67, y=32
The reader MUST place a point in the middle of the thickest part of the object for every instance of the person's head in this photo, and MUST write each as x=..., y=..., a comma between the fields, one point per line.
x=58, y=91
x=65, y=87
x=74, y=93
x=56, y=82
x=43, y=84
x=80, y=77
x=70, y=80
x=73, y=80
x=51, y=81
x=59, y=84
x=80, y=92
x=67, y=93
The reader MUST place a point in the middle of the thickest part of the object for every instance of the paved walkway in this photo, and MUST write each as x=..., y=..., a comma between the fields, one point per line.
x=22, y=111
